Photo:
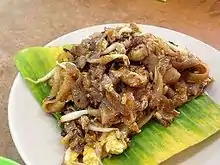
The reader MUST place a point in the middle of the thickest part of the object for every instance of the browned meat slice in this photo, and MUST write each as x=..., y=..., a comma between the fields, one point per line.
x=108, y=114
x=79, y=50
x=130, y=108
x=170, y=92
x=97, y=42
x=80, y=61
x=181, y=94
x=95, y=97
x=77, y=142
x=74, y=138
x=93, y=88
x=97, y=71
x=197, y=89
x=165, y=111
x=194, y=89
x=115, y=101
x=111, y=95
x=79, y=94
x=171, y=76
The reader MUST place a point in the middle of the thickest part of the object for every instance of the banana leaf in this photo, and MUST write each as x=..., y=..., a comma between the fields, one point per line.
x=199, y=119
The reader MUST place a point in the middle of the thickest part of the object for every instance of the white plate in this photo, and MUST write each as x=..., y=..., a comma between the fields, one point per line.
x=37, y=137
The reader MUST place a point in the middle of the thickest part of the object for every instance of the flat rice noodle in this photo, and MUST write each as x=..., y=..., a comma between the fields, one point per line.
x=70, y=74
x=57, y=104
x=198, y=77
x=52, y=106
x=164, y=65
x=157, y=90
x=57, y=81
x=150, y=62
x=129, y=117
x=86, y=80
x=130, y=108
x=188, y=63
x=158, y=87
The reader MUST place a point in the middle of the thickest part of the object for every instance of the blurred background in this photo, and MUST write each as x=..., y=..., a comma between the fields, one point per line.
x=25, y=23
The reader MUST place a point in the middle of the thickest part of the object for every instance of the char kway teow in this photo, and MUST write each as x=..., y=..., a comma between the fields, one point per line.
x=111, y=84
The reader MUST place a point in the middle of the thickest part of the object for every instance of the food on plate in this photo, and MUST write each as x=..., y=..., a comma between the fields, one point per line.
x=114, y=82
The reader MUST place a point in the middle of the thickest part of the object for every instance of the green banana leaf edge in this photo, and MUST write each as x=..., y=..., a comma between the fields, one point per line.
x=199, y=119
